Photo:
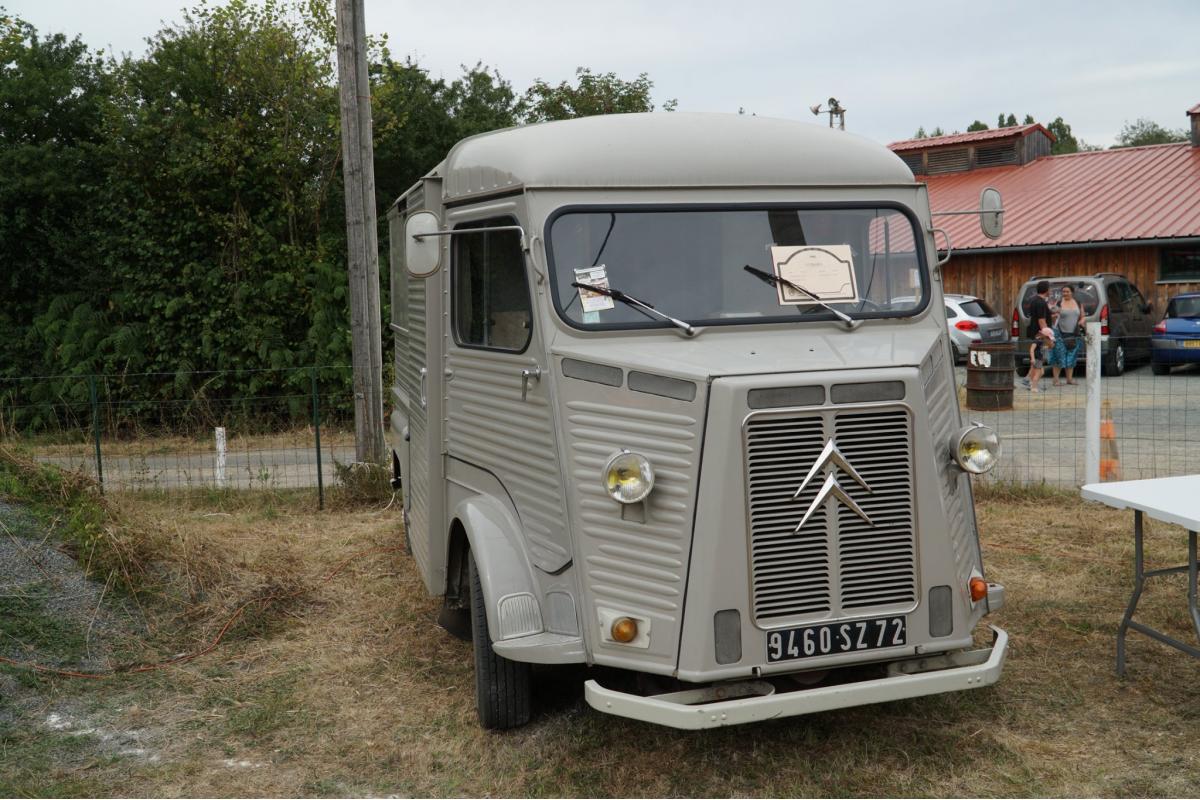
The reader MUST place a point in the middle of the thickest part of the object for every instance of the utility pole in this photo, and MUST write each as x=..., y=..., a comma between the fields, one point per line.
x=358, y=168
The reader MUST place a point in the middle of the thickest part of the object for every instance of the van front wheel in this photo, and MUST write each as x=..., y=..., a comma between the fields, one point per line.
x=502, y=687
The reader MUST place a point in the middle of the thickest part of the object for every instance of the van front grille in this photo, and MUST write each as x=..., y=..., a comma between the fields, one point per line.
x=837, y=564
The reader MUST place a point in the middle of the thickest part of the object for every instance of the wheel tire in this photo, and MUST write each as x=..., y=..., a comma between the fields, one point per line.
x=1160, y=369
x=1022, y=370
x=1114, y=365
x=502, y=687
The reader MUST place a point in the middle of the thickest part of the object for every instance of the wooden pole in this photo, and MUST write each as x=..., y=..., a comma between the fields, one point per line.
x=358, y=168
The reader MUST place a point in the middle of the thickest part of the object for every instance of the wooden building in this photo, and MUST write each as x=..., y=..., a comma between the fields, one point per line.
x=1134, y=210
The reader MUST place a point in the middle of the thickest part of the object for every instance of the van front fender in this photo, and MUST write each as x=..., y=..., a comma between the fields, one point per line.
x=509, y=593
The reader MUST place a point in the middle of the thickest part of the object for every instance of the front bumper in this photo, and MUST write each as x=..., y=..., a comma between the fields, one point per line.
x=756, y=700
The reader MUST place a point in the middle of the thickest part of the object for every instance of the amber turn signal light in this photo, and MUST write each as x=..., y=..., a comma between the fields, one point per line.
x=978, y=589
x=624, y=630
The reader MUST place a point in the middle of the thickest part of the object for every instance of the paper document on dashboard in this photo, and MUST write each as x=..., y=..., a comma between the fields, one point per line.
x=825, y=270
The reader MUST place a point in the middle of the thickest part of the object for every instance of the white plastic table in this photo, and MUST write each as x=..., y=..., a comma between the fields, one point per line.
x=1173, y=500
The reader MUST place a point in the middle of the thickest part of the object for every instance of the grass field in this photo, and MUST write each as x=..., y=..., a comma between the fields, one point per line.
x=348, y=687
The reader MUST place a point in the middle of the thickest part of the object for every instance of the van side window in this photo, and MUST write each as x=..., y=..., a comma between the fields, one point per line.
x=490, y=290
x=1115, y=301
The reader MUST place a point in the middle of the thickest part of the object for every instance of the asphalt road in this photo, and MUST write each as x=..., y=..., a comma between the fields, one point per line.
x=277, y=468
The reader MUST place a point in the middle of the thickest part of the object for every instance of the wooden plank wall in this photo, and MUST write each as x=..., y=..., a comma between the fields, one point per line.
x=996, y=277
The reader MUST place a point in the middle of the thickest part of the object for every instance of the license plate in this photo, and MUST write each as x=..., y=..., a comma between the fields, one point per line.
x=996, y=334
x=1191, y=342
x=836, y=637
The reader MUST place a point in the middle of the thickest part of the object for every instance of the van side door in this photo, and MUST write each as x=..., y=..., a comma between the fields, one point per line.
x=499, y=415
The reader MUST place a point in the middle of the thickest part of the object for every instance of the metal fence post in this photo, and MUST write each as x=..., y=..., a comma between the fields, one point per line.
x=316, y=414
x=1092, y=413
x=96, y=430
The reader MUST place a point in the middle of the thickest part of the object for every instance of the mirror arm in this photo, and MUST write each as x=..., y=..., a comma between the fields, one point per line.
x=460, y=231
x=976, y=212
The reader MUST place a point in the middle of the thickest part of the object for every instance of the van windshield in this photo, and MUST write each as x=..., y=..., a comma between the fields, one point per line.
x=690, y=264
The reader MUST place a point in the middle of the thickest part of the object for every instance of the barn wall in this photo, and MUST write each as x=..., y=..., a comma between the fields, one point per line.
x=996, y=277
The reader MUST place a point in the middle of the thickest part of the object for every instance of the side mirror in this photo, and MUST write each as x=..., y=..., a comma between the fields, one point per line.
x=422, y=251
x=991, y=213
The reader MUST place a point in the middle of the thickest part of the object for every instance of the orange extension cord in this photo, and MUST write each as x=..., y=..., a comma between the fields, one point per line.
x=129, y=669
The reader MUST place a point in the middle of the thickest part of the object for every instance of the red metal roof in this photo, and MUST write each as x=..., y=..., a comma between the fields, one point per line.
x=1102, y=196
x=964, y=138
x=1194, y=109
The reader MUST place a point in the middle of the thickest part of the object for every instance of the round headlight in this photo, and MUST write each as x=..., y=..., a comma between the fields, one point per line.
x=976, y=449
x=628, y=477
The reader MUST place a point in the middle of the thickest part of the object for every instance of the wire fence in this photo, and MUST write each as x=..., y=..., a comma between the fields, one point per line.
x=1150, y=419
x=292, y=428
x=237, y=429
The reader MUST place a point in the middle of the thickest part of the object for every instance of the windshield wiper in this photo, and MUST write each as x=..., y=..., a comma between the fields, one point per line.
x=641, y=305
x=775, y=280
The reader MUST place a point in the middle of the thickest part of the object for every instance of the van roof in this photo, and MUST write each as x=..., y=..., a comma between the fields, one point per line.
x=666, y=149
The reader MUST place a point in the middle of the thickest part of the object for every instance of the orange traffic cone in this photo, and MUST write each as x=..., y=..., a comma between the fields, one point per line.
x=1110, y=459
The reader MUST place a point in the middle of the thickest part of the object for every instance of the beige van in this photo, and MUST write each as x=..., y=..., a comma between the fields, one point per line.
x=659, y=409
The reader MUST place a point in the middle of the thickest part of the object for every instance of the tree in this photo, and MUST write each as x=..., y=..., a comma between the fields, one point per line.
x=937, y=132
x=1028, y=120
x=593, y=94
x=1064, y=140
x=418, y=119
x=220, y=234
x=977, y=125
x=1006, y=122
x=921, y=134
x=55, y=99
x=1145, y=131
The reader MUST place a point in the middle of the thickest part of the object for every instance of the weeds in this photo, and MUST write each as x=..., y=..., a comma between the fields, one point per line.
x=361, y=485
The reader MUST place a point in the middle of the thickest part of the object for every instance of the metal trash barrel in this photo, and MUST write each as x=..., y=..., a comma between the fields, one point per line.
x=990, y=370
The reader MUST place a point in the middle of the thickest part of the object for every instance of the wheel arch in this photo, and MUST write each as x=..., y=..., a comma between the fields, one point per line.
x=482, y=525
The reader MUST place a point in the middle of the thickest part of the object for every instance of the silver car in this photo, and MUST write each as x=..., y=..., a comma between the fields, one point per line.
x=970, y=319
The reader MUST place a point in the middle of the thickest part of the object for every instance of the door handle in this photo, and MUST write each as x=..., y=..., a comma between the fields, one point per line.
x=533, y=373
x=424, y=375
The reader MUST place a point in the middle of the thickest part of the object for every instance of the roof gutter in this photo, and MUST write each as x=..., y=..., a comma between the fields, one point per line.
x=1027, y=248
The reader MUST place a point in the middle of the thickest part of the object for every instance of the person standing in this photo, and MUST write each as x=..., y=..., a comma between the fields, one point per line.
x=1039, y=319
x=1068, y=338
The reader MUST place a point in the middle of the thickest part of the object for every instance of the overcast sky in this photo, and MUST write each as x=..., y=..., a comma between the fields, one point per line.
x=894, y=66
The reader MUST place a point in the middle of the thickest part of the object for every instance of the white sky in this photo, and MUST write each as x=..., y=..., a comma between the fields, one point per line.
x=894, y=66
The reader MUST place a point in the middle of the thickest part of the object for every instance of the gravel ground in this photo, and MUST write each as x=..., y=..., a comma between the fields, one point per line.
x=33, y=569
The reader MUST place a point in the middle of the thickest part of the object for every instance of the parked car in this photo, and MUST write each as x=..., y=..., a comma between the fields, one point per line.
x=1109, y=300
x=1176, y=338
x=970, y=319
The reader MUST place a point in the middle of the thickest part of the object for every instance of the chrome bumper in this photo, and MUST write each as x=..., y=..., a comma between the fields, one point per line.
x=909, y=678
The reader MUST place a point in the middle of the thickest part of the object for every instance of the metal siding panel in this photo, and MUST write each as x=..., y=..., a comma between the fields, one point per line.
x=634, y=566
x=943, y=421
x=490, y=426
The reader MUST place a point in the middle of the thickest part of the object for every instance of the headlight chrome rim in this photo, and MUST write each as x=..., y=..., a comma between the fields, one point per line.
x=979, y=438
x=613, y=484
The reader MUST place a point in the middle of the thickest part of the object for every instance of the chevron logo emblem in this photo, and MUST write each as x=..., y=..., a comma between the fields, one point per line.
x=832, y=459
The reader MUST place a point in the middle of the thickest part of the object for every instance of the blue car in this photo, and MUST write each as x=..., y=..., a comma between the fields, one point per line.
x=1176, y=340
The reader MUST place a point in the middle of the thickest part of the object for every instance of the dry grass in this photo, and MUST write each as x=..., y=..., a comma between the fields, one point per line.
x=353, y=689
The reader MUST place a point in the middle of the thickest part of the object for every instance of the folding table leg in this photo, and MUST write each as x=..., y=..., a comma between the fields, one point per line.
x=1138, y=579
x=1192, y=570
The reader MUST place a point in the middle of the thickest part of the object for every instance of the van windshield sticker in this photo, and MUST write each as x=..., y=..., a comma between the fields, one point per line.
x=592, y=302
x=826, y=271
